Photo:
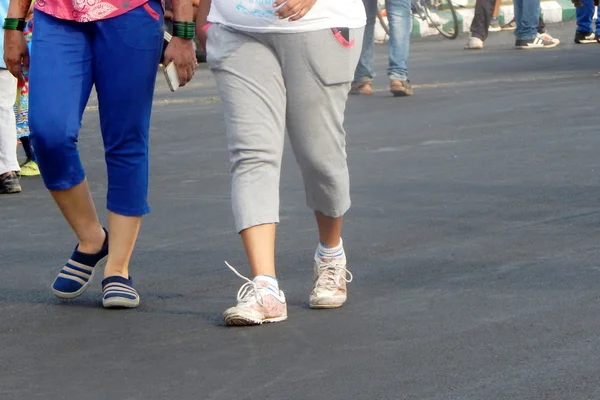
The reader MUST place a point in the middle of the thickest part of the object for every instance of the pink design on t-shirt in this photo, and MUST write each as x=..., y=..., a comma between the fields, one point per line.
x=87, y=10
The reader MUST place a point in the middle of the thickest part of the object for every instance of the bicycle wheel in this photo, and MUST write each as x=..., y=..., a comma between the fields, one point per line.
x=381, y=16
x=442, y=15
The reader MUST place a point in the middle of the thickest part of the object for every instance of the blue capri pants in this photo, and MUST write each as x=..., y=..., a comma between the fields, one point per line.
x=120, y=57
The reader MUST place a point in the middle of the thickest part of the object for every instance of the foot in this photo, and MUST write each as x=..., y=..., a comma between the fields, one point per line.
x=257, y=304
x=9, y=183
x=400, y=88
x=494, y=25
x=330, y=279
x=549, y=37
x=77, y=274
x=585, y=38
x=474, y=43
x=358, y=88
x=544, y=41
x=30, y=168
x=118, y=292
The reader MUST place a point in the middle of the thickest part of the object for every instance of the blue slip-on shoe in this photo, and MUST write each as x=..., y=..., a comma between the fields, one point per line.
x=118, y=292
x=77, y=274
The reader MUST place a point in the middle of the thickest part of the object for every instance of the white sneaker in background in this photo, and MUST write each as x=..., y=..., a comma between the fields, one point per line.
x=474, y=43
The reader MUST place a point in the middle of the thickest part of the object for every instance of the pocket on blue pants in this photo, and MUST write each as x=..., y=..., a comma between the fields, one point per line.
x=142, y=27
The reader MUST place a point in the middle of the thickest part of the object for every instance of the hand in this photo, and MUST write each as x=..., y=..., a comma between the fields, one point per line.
x=16, y=53
x=293, y=9
x=181, y=52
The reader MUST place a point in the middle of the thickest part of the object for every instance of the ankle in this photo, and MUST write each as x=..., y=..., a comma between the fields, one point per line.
x=92, y=244
x=331, y=244
x=324, y=251
x=270, y=280
x=122, y=272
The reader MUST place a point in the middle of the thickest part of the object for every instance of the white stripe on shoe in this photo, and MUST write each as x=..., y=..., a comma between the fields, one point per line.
x=118, y=292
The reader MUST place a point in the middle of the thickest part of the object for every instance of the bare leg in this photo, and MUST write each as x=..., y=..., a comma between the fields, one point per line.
x=330, y=229
x=78, y=208
x=497, y=8
x=259, y=242
x=123, y=235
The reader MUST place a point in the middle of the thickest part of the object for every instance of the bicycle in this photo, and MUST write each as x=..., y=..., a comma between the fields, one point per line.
x=439, y=14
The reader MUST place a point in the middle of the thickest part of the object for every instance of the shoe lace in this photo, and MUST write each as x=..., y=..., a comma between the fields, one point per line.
x=329, y=272
x=249, y=292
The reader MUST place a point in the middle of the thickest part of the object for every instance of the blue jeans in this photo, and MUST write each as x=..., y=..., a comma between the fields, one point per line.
x=527, y=15
x=120, y=57
x=585, y=15
x=398, y=12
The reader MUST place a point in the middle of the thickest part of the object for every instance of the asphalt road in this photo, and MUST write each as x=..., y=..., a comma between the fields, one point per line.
x=473, y=240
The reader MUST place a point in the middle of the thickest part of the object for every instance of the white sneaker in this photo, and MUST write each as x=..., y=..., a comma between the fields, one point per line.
x=257, y=303
x=329, y=286
x=550, y=37
x=474, y=43
x=541, y=41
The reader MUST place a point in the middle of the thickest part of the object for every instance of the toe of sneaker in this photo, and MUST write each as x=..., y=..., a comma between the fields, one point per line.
x=327, y=301
x=237, y=316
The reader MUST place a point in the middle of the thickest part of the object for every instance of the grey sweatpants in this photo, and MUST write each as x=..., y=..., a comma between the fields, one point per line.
x=270, y=82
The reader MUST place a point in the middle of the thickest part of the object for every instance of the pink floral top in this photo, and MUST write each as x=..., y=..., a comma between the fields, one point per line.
x=87, y=10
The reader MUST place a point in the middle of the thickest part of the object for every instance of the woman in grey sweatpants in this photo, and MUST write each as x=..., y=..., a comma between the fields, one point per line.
x=281, y=69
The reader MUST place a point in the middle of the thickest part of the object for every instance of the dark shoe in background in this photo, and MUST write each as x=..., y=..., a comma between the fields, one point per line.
x=9, y=183
x=585, y=38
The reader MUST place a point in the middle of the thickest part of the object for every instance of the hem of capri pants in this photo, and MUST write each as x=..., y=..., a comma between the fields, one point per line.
x=129, y=212
x=340, y=212
x=249, y=225
x=65, y=185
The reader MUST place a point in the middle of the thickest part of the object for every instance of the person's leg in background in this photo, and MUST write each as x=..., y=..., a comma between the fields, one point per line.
x=57, y=99
x=584, y=33
x=27, y=148
x=399, y=16
x=526, y=12
x=9, y=165
x=494, y=25
x=527, y=15
x=125, y=106
x=480, y=24
x=29, y=167
x=364, y=70
x=541, y=24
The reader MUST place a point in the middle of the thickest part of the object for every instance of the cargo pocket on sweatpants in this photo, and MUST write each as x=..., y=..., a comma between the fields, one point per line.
x=332, y=57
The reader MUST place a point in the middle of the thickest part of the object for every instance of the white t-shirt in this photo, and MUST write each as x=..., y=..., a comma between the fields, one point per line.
x=259, y=16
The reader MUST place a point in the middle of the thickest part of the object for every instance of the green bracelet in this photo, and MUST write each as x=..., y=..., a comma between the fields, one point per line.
x=14, y=24
x=184, y=30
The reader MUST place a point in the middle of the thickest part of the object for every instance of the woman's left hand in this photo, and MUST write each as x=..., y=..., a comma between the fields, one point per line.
x=181, y=52
x=293, y=9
